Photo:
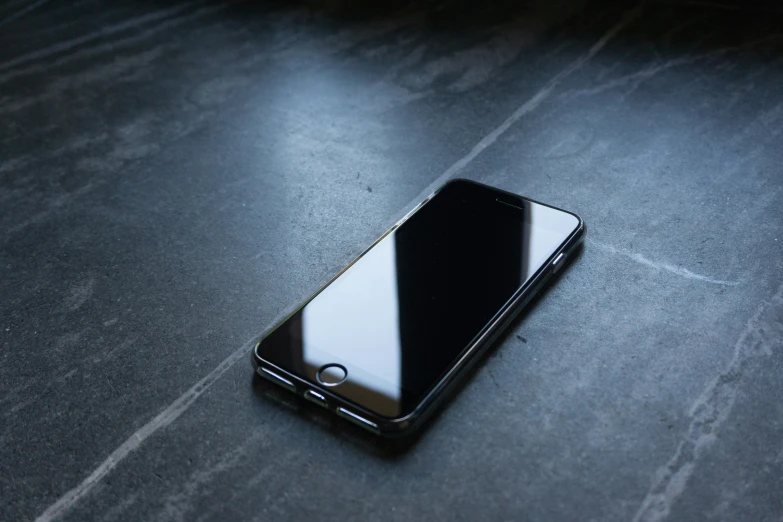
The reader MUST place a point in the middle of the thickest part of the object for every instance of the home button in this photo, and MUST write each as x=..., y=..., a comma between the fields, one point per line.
x=331, y=374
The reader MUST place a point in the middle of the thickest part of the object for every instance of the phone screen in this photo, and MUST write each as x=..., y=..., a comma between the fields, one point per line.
x=402, y=314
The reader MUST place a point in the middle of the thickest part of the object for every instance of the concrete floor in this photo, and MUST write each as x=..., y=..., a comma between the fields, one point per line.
x=175, y=177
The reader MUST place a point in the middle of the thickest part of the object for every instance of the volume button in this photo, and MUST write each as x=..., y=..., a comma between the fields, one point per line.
x=557, y=262
x=280, y=381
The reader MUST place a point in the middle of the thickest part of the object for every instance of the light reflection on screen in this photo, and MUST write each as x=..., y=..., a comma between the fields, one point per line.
x=337, y=328
x=545, y=233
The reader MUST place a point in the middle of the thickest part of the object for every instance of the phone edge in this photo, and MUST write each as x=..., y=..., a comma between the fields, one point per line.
x=445, y=387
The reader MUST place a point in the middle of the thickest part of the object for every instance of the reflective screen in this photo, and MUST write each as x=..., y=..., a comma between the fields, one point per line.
x=401, y=315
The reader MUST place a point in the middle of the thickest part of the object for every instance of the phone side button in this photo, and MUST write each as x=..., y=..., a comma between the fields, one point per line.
x=359, y=421
x=315, y=398
x=280, y=381
x=557, y=262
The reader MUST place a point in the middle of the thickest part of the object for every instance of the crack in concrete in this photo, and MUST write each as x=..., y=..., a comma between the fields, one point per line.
x=657, y=265
x=763, y=333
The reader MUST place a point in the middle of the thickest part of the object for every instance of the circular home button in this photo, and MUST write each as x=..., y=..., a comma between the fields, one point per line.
x=332, y=374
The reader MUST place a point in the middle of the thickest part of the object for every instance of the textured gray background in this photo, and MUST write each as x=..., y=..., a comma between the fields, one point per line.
x=174, y=177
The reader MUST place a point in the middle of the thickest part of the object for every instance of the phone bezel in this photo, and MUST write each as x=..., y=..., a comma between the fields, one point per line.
x=429, y=403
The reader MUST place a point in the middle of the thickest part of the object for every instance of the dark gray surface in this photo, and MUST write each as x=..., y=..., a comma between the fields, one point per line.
x=173, y=177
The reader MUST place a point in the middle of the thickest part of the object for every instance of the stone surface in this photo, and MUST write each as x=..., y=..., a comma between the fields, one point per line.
x=174, y=177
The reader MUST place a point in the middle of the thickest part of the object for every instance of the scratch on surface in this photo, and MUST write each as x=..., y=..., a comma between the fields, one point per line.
x=67, y=376
x=58, y=202
x=118, y=510
x=109, y=72
x=179, y=505
x=183, y=402
x=16, y=408
x=163, y=419
x=677, y=270
x=111, y=46
x=492, y=378
x=763, y=333
x=635, y=79
x=19, y=14
x=80, y=293
x=14, y=164
x=103, y=32
x=764, y=128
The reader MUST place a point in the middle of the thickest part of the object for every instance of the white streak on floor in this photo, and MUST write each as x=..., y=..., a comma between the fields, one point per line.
x=19, y=14
x=763, y=333
x=677, y=270
x=103, y=32
x=163, y=419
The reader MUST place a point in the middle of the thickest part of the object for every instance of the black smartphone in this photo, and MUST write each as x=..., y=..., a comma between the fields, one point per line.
x=384, y=341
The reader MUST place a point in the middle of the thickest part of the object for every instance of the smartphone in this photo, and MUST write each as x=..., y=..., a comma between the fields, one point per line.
x=386, y=340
